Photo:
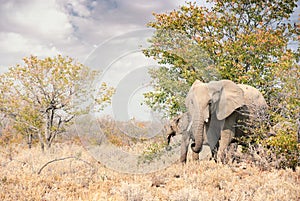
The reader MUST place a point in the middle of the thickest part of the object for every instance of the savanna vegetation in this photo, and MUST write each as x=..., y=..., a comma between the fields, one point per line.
x=78, y=176
x=245, y=41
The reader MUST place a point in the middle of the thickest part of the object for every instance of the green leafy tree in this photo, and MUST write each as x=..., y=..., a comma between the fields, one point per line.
x=244, y=41
x=43, y=96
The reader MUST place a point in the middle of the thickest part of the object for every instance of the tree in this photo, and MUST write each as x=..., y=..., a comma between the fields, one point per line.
x=44, y=95
x=244, y=41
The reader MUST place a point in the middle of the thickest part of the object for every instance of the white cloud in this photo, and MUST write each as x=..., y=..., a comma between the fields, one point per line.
x=71, y=27
x=15, y=42
x=108, y=18
x=78, y=7
x=32, y=27
x=35, y=19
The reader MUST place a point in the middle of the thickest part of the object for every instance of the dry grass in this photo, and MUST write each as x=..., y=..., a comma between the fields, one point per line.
x=86, y=179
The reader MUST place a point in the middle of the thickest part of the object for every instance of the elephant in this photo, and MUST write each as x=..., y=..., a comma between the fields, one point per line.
x=182, y=125
x=215, y=112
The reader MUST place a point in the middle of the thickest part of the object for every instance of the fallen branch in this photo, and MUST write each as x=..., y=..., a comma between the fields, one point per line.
x=61, y=159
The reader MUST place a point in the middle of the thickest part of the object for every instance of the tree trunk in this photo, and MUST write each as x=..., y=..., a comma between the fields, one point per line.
x=41, y=141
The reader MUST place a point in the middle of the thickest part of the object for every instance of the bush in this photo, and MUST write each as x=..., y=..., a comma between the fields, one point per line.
x=153, y=151
x=284, y=144
x=270, y=142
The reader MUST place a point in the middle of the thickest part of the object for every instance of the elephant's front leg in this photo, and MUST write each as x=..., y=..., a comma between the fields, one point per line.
x=226, y=137
x=184, y=147
x=227, y=134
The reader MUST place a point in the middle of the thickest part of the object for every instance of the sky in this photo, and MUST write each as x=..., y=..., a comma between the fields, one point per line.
x=94, y=32
x=69, y=27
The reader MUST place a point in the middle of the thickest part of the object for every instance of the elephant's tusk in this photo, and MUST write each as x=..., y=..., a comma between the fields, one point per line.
x=190, y=125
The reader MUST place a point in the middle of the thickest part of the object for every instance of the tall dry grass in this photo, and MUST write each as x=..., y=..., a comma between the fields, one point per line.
x=80, y=177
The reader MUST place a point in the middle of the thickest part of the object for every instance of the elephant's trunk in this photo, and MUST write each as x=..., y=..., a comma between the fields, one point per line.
x=170, y=134
x=198, y=134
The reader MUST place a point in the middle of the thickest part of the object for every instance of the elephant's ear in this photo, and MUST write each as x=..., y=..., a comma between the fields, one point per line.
x=175, y=122
x=231, y=98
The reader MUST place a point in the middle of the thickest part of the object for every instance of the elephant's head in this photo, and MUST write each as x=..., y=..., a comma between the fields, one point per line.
x=177, y=126
x=218, y=98
x=172, y=129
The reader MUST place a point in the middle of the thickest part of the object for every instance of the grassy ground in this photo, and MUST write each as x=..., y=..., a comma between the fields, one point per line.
x=81, y=177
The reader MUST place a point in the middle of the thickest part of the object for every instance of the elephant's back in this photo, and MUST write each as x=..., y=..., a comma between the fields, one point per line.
x=252, y=96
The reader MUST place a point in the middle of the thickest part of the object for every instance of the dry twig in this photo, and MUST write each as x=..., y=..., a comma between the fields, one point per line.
x=60, y=159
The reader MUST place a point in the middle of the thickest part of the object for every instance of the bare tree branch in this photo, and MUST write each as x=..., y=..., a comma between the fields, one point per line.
x=65, y=158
